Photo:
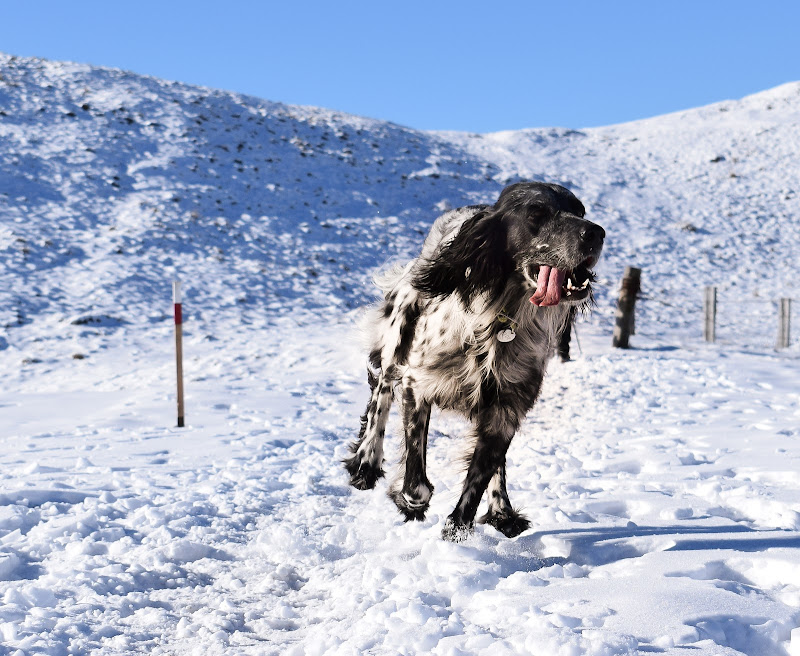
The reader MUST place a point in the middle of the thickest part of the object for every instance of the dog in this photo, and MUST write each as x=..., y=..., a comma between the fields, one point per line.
x=470, y=326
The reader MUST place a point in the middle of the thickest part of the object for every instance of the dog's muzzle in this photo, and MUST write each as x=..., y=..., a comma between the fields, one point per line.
x=555, y=284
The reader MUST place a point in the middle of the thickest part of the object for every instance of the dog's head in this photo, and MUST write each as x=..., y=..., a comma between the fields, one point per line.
x=535, y=230
x=553, y=246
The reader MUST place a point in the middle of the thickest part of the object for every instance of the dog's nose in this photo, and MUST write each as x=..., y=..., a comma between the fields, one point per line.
x=592, y=235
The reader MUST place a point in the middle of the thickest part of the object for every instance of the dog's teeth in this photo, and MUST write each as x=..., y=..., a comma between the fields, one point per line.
x=585, y=284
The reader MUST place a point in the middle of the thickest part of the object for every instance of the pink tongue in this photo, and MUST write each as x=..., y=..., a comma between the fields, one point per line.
x=548, y=286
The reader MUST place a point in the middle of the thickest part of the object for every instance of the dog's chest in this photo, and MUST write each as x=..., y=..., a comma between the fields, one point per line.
x=452, y=360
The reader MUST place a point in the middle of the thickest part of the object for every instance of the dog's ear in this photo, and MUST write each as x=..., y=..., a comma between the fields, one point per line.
x=476, y=260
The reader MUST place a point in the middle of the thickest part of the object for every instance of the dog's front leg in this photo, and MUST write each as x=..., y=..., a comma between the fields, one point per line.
x=411, y=491
x=501, y=514
x=365, y=465
x=495, y=427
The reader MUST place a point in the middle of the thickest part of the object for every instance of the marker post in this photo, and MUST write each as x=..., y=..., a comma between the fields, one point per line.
x=176, y=299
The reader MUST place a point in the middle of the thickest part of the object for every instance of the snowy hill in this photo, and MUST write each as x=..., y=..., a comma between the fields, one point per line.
x=662, y=482
x=702, y=197
x=113, y=171
x=246, y=199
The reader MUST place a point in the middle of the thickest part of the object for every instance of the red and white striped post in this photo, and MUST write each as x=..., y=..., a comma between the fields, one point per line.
x=176, y=299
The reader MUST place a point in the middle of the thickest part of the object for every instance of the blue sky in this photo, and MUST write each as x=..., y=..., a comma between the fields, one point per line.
x=470, y=66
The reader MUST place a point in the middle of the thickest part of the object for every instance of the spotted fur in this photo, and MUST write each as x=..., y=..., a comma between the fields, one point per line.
x=434, y=341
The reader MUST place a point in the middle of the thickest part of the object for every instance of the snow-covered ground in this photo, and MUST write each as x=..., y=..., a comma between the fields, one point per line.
x=663, y=482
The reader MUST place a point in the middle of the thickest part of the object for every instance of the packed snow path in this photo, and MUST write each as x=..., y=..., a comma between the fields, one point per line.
x=663, y=486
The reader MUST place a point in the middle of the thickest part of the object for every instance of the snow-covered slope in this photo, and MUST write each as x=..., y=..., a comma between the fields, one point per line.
x=118, y=173
x=709, y=196
x=246, y=199
x=662, y=482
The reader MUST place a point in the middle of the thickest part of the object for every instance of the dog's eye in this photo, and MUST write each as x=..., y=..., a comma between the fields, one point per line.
x=537, y=215
x=539, y=210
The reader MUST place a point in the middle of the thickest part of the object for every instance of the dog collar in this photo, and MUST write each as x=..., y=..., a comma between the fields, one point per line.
x=508, y=327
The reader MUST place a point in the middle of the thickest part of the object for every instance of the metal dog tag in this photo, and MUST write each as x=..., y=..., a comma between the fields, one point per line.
x=506, y=335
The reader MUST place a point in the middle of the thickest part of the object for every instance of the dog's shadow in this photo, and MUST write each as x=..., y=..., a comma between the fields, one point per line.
x=602, y=545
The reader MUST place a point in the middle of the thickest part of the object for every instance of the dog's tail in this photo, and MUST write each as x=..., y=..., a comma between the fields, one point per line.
x=388, y=279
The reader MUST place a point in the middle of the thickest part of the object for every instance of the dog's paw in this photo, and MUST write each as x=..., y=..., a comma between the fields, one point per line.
x=363, y=476
x=453, y=532
x=411, y=508
x=510, y=523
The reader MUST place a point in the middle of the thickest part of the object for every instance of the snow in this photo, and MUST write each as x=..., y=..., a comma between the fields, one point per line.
x=663, y=482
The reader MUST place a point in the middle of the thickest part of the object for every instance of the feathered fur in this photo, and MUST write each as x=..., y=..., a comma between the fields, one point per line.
x=436, y=337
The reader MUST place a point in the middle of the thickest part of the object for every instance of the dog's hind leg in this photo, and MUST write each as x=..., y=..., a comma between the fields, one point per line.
x=501, y=514
x=365, y=465
x=411, y=491
x=566, y=335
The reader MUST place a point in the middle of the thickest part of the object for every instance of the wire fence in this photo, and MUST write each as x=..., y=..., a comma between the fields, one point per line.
x=732, y=318
x=728, y=319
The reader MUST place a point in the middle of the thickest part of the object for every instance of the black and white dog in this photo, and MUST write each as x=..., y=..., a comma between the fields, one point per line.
x=470, y=325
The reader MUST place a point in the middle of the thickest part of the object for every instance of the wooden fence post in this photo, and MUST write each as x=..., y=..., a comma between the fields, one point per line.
x=710, y=313
x=176, y=298
x=625, y=324
x=785, y=320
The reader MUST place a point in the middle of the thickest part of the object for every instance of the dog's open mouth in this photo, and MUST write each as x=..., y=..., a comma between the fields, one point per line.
x=554, y=285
